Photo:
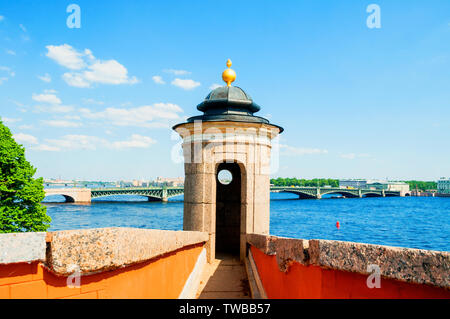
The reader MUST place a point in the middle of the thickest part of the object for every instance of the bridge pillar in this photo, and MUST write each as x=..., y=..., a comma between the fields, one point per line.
x=318, y=195
x=227, y=137
x=164, y=195
x=360, y=193
x=383, y=193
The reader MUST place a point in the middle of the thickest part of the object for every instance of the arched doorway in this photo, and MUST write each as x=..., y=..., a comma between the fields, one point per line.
x=228, y=208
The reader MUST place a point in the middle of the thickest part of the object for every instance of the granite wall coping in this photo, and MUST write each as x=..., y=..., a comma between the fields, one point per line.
x=95, y=250
x=22, y=247
x=404, y=264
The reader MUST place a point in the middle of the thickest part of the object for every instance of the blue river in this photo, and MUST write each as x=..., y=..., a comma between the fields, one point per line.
x=415, y=222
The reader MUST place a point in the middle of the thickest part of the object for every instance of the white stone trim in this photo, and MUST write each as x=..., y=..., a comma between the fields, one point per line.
x=227, y=137
x=193, y=282
x=22, y=247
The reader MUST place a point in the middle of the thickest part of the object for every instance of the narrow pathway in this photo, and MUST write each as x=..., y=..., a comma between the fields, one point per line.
x=224, y=278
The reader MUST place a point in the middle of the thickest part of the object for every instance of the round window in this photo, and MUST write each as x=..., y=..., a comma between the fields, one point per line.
x=225, y=177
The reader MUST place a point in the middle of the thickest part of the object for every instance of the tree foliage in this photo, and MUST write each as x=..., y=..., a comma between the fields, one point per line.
x=20, y=193
x=421, y=186
x=305, y=182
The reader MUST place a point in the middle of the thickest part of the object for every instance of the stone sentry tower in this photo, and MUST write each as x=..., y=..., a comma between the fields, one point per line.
x=227, y=138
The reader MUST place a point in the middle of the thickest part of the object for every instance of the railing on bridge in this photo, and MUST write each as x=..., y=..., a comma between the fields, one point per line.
x=154, y=193
x=318, y=192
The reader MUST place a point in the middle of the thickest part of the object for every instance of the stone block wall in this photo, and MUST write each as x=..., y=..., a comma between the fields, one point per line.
x=315, y=269
x=101, y=263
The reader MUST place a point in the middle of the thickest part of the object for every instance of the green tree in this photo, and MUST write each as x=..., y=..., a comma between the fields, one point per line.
x=20, y=193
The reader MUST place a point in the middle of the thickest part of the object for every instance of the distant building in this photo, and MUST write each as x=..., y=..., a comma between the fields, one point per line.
x=174, y=182
x=353, y=183
x=375, y=184
x=401, y=187
x=443, y=186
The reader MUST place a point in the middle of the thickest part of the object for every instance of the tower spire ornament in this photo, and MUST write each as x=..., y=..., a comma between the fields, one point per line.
x=229, y=75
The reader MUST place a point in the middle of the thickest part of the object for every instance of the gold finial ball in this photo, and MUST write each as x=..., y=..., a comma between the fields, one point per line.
x=229, y=75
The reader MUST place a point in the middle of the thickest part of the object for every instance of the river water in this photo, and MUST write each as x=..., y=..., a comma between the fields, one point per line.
x=415, y=222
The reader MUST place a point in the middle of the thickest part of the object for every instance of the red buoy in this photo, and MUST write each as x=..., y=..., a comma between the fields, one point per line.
x=338, y=225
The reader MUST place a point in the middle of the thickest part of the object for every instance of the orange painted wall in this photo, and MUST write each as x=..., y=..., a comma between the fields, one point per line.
x=162, y=277
x=313, y=282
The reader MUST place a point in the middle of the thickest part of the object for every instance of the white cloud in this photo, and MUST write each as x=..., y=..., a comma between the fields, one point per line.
x=10, y=52
x=45, y=147
x=72, y=117
x=25, y=138
x=136, y=141
x=76, y=142
x=26, y=127
x=92, y=101
x=76, y=80
x=46, y=78
x=143, y=116
x=9, y=120
x=158, y=79
x=89, y=69
x=108, y=72
x=2, y=18
x=215, y=86
x=16, y=103
x=185, y=84
x=168, y=107
x=46, y=98
x=54, y=103
x=348, y=156
x=61, y=123
x=85, y=142
x=291, y=150
x=22, y=27
x=66, y=56
x=177, y=72
x=55, y=108
x=8, y=70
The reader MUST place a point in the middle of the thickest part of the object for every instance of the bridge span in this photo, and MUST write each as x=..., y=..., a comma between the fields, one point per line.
x=85, y=195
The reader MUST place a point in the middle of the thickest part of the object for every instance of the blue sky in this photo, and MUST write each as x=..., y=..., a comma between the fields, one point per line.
x=98, y=102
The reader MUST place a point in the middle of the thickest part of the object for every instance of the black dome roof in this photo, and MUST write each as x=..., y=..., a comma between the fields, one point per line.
x=228, y=97
x=229, y=103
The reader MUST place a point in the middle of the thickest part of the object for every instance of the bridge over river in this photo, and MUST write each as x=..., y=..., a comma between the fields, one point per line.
x=85, y=195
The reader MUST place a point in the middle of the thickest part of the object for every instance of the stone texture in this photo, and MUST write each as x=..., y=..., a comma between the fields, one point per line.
x=22, y=247
x=95, y=250
x=261, y=219
x=209, y=223
x=286, y=250
x=248, y=145
x=405, y=264
x=224, y=277
x=194, y=216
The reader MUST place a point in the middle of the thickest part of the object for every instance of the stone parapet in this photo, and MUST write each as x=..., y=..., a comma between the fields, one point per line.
x=403, y=264
x=91, y=251
x=22, y=247
x=96, y=250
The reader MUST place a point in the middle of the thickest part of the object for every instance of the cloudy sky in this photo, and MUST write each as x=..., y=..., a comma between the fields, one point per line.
x=98, y=102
